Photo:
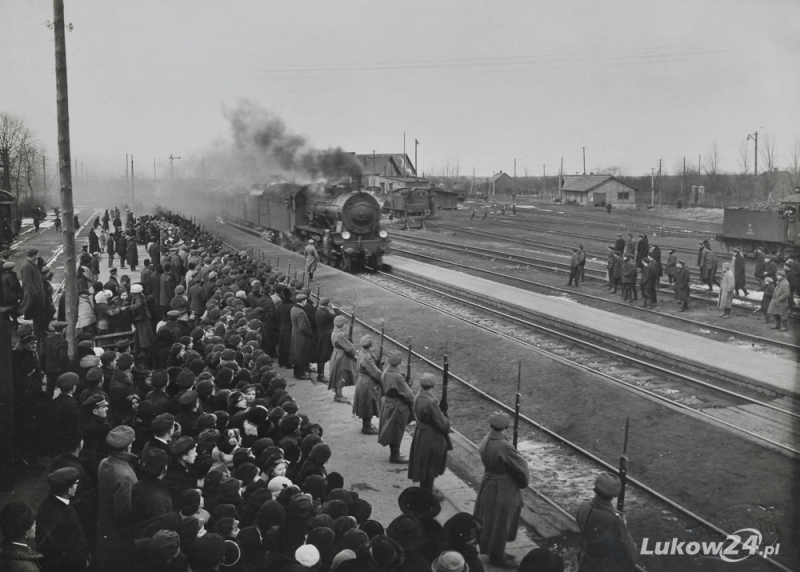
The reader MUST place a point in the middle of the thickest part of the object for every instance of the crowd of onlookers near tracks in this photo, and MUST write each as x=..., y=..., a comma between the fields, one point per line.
x=637, y=268
x=183, y=449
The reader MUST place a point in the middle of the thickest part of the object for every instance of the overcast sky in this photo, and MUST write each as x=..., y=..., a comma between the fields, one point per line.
x=477, y=83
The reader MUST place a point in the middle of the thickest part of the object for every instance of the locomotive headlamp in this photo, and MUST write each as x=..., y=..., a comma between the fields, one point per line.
x=383, y=234
x=345, y=234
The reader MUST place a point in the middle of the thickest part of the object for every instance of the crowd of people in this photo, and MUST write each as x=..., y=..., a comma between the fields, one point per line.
x=637, y=268
x=182, y=448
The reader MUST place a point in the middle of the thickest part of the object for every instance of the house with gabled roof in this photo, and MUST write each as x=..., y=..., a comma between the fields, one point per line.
x=597, y=190
x=382, y=170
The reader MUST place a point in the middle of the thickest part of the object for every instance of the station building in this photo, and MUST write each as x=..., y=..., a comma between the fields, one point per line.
x=598, y=191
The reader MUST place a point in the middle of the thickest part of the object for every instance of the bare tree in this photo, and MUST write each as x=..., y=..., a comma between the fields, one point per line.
x=712, y=168
x=744, y=158
x=769, y=157
x=794, y=162
x=22, y=154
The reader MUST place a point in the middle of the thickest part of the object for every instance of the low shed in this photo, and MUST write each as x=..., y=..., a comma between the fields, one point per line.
x=447, y=200
x=598, y=191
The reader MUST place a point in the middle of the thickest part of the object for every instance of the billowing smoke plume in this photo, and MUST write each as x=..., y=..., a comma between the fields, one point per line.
x=262, y=141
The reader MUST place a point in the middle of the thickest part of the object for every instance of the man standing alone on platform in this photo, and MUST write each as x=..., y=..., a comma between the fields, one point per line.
x=606, y=543
x=431, y=442
x=574, y=267
x=681, y=286
x=499, y=501
x=312, y=259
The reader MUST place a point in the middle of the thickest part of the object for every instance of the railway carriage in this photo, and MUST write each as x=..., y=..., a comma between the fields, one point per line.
x=774, y=231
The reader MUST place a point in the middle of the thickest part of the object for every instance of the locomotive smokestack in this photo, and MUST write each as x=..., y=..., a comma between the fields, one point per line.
x=357, y=186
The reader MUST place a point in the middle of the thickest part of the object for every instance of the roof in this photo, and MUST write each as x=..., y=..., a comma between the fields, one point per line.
x=499, y=176
x=438, y=190
x=795, y=198
x=585, y=183
x=392, y=164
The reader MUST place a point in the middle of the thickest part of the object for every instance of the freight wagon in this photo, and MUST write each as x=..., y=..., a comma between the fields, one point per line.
x=774, y=231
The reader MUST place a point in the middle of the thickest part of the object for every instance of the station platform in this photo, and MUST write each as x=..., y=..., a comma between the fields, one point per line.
x=666, y=345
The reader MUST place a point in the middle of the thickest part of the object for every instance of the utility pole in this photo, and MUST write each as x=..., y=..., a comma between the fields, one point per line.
x=652, y=188
x=584, y=160
x=67, y=207
x=754, y=137
x=204, y=172
x=659, y=182
x=544, y=181
x=171, y=159
x=683, y=181
x=560, y=178
x=416, y=164
x=133, y=184
x=44, y=178
x=154, y=173
x=127, y=180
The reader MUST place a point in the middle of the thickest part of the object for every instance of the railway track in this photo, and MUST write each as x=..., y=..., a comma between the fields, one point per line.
x=750, y=281
x=542, y=263
x=585, y=461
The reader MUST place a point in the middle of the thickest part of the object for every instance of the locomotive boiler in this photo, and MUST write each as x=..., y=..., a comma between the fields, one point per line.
x=344, y=222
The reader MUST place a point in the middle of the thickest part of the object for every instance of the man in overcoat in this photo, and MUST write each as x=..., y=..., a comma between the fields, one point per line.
x=143, y=337
x=132, y=253
x=312, y=259
x=739, y=273
x=302, y=338
x=499, y=501
x=681, y=285
x=428, y=458
x=115, y=480
x=779, y=307
x=710, y=267
x=122, y=248
x=341, y=369
x=646, y=283
x=150, y=498
x=629, y=279
x=33, y=303
x=367, y=397
x=726, y=290
x=396, y=414
x=642, y=249
x=606, y=544
x=324, y=319
x=59, y=535
x=574, y=267
x=55, y=359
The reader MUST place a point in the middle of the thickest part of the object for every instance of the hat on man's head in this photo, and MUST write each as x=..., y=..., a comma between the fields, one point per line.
x=67, y=381
x=120, y=437
x=163, y=422
x=16, y=519
x=61, y=480
x=94, y=401
x=395, y=358
x=607, y=485
x=154, y=461
x=32, y=252
x=427, y=381
x=419, y=503
x=498, y=420
x=450, y=561
x=208, y=551
x=182, y=446
x=125, y=361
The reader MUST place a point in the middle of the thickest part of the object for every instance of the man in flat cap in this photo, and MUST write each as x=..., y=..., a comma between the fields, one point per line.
x=63, y=412
x=59, y=534
x=367, y=397
x=709, y=267
x=428, y=457
x=681, y=285
x=396, y=412
x=606, y=543
x=55, y=358
x=302, y=338
x=33, y=303
x=30, y=403
x=499, y=501
x=163, y=427
x=115, y=480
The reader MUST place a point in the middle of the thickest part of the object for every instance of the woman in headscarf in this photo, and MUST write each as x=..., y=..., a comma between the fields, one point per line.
x=341, y=359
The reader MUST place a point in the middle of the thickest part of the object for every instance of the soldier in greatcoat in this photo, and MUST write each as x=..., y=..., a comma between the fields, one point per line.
x=367, y=398
x=344, y=353
x=606, y=544
x=431, y=442
x=396, y=413
x=132, y=253
x=302, y=339
x=499, y=501
x=312, y=259
x=324, y=319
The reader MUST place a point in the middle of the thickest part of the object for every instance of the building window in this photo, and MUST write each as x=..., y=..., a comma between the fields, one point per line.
x=623, y=196
x=391, y=186
x=383, y=186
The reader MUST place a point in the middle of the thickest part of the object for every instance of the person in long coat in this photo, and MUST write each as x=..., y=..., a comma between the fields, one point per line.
x=701, y=260
x=672, y=263
x=646, y=283
x=499, y=501
x=111, y=249
x=739, y=273
x=396, y=413
x=710, y=268
x=341, y=359
x=367, y=397
x=655, y=255
x=33, y=303
x=642, y=249
x=312, y=259
x=59, y=535
x=311, y=312
x=143, y=336
x=766, y=299
x=324, y=319
x=122, y=248
x=94, y=242
x=115, y=480
x=302, y=339
x=428, y=458
x=166, y=289
x=779, y=307
x=726, y=290
x=681, y=285
x=606, y=544
x=761, y=266
x=284, y=312
x=133, y=254
x=629, y=280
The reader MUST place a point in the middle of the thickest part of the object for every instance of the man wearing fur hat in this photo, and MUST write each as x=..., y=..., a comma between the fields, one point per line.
x=499, y=501
x=606, y=543
x=115, y=480
x=367, y=398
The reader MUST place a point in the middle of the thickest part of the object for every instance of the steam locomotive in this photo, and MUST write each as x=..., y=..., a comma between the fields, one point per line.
x=342, y=219
x=776, y=231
